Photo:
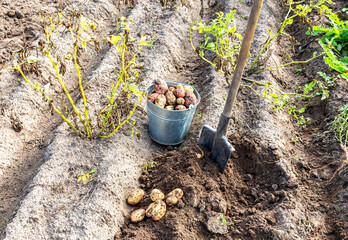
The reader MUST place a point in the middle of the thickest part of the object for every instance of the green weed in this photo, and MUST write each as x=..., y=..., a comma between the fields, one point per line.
x=149, y=165
x=223, y=220
x=151, y=42
x=85, y=176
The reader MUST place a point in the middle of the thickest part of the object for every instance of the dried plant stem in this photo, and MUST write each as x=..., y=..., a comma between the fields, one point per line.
x=47, y=98
x=127, y=119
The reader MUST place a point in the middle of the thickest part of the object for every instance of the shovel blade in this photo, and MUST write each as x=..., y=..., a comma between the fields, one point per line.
x=220, y=147
x=207, y=137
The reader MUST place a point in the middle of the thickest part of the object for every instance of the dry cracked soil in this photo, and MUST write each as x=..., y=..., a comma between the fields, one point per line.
x=282, y=182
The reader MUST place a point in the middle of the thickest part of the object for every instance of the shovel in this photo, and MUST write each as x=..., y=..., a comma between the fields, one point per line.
x=216, y=140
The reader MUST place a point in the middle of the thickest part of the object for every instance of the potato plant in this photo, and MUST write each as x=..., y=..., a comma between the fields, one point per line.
x=126, y=85
x=220, y=38
x=81, y=32
x=334, y=43
x=295, y=9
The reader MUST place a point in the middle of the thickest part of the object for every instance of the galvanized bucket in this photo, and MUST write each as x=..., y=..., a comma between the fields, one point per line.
x=169, y=127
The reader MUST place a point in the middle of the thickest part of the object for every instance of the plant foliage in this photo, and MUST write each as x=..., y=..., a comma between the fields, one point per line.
x=335, y=43
x=220, y=38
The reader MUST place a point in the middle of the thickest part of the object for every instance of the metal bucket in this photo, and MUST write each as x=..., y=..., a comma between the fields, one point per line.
x=169, y=127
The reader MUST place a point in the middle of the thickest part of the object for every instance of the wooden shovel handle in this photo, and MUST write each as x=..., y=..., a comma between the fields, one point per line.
x=243, y=56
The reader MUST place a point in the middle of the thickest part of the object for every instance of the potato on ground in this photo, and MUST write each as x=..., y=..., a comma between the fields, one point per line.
x=156, y=194
x=152, y=97
x=179, y=91
x=174, y=196
x=135, y=196
x=180, y=101
x=169, y=107
x=171, y=99
x=190, y=98
x=161, y=100
x=137, y=215
x=180, y=107
x=156, y=210
x=161, y=86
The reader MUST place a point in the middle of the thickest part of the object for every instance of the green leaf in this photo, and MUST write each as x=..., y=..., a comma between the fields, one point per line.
x=238, y=36
x=32, y=59
x=134, y=88
x=206, y=41
x=93, y=170
x=285, y=98
x=211, y=46
x=289, y=21
x=344, y=60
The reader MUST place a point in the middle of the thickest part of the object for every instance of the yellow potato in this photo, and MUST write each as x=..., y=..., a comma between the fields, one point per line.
x=156, y=194
x=156, y=210
x=171, y=88
x=172, y=200
x=180, y=107
x=171, y=99
x=180, y=101
x=138, y=215
x=161, y=100
x=188, y=89
x=169, y=107
x=135, y=197
x=174, y=196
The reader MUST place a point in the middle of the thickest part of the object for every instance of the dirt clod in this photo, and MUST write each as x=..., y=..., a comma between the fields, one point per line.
x=11, y=13
x=215, y=224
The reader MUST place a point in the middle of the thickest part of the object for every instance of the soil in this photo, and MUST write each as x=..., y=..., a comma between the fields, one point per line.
x=282, y=182
x=247, y=201
x=22, y=150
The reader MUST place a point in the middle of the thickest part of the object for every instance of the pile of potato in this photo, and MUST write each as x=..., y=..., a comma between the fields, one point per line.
x=175, y=97
x=157, y=209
